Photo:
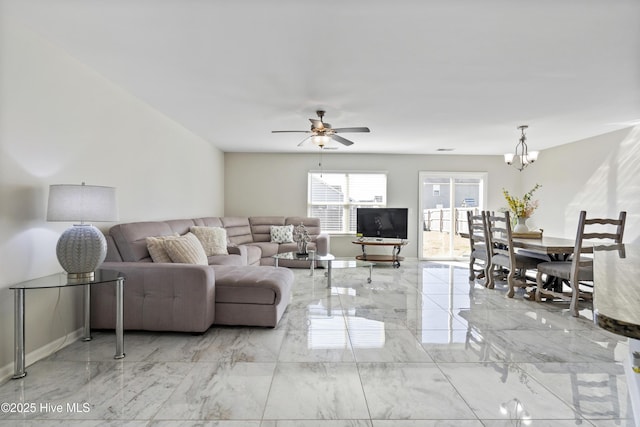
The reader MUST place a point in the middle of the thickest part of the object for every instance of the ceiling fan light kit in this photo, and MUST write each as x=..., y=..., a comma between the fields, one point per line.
x=321, y=133
x=522, y=157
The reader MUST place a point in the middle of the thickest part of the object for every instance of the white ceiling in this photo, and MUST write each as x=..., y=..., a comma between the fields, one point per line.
x=422, y=74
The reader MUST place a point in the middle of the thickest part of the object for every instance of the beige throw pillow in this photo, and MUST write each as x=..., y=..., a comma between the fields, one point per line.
x=155, y=246
x=186, y=249
x=213, y=239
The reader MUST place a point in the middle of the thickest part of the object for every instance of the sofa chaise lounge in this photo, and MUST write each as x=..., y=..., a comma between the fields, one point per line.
x=240, y=287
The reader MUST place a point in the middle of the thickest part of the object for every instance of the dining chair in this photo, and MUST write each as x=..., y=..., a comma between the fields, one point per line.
x=478, y=245
x=502, y=253
x=579, y=268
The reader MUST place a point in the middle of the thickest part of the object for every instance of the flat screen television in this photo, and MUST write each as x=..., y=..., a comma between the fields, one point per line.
x=383, y=223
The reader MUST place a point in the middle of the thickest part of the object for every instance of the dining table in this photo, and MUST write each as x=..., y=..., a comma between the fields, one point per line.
x=557, y=248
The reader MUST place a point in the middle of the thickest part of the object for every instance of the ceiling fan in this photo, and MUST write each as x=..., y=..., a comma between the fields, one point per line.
x=322, y=132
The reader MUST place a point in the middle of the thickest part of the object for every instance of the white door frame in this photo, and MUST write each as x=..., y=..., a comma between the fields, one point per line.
x=484, y=176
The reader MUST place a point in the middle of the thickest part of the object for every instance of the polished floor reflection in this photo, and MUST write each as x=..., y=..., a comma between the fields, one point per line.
x=419, y=346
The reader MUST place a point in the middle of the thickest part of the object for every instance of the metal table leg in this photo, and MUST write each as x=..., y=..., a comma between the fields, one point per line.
x=18, y=323
x=312, y=257
x=329, y=274
x=119, y=319
x=87, y=312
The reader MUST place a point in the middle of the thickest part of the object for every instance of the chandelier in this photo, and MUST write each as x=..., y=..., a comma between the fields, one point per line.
x=522, y=156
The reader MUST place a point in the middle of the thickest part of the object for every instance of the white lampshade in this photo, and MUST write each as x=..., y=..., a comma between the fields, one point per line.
x=508, y=158
x=82, y=248
x=82, y=203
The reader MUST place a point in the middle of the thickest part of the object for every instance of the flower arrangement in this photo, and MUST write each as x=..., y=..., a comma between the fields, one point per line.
x=522, y=208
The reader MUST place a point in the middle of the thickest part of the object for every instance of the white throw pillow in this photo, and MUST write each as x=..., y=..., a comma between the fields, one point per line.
x=155, y=246
x=213, y=239
x=281, y=233
x=186, y=249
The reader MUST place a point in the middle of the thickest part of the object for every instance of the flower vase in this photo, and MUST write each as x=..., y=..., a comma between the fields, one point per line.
x=521, y=226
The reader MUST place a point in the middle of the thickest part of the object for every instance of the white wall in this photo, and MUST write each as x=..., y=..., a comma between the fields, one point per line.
x=61, y=123
x=600, y=175
x=276, y=184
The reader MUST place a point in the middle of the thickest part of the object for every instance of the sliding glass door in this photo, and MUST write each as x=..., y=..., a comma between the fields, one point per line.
x=445, y=198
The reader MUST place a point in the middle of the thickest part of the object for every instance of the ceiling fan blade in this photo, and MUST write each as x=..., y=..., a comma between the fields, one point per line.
x=290, y=131
x=342, y=140
x=356, y=129
x=303, y=141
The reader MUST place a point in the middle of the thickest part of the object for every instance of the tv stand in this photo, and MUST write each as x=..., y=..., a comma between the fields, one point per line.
x=394, y=258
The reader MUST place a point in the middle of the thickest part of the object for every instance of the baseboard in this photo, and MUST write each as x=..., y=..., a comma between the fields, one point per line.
x=6, y=372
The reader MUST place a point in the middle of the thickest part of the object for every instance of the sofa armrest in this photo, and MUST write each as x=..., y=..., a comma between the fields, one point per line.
x=158, y=296
x=239, y=250
x=323, y=243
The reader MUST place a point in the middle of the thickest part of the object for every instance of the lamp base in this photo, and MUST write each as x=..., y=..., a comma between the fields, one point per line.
x=81, y=277
x=80, y=250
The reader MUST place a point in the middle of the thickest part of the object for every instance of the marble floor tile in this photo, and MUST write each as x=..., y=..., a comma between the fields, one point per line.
x=496, y=391
x=317, y=344
x=387, y=346
x=418, y=346
x=219, y=391
x=240, y=344
x=316, y=391
x=317, y=423
x=594, y=390
x=400, y=391
x=427, y=423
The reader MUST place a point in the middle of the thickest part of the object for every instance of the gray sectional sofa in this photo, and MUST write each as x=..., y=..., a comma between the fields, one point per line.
x=241, y=287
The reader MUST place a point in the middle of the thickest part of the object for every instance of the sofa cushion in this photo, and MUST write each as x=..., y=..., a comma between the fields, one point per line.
x=130, y=238
x=213, y=239
x=261, y=227
x=267, y=249
x=155, y=246
x=252, y=285
x=238, y=230
x=180, y=226
x=281, y=233
x=209, y=221
x=186, y=249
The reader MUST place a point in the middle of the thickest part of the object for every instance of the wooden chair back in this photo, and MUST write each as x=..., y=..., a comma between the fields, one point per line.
x=591, y=230
x=478, y=242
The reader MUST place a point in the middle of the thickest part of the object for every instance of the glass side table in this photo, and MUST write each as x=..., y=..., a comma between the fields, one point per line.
x=59, y=280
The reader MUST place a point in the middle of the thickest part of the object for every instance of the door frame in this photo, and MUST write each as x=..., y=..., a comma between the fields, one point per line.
x=484, y=176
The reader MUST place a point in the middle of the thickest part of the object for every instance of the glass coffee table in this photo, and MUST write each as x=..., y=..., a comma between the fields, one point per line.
x=332, y=262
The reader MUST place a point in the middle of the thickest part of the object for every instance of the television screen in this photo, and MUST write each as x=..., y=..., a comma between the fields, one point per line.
x=385, y=223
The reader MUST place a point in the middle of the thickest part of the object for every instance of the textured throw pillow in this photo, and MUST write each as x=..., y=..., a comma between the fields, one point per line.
x=186, y=249
x=155, y=246
x=213, y=239
x=281, y=233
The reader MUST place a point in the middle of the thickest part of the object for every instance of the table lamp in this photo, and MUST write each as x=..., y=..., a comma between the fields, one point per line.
x=81, y=248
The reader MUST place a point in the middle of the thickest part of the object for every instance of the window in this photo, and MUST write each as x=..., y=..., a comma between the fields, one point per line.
x=334, y=197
